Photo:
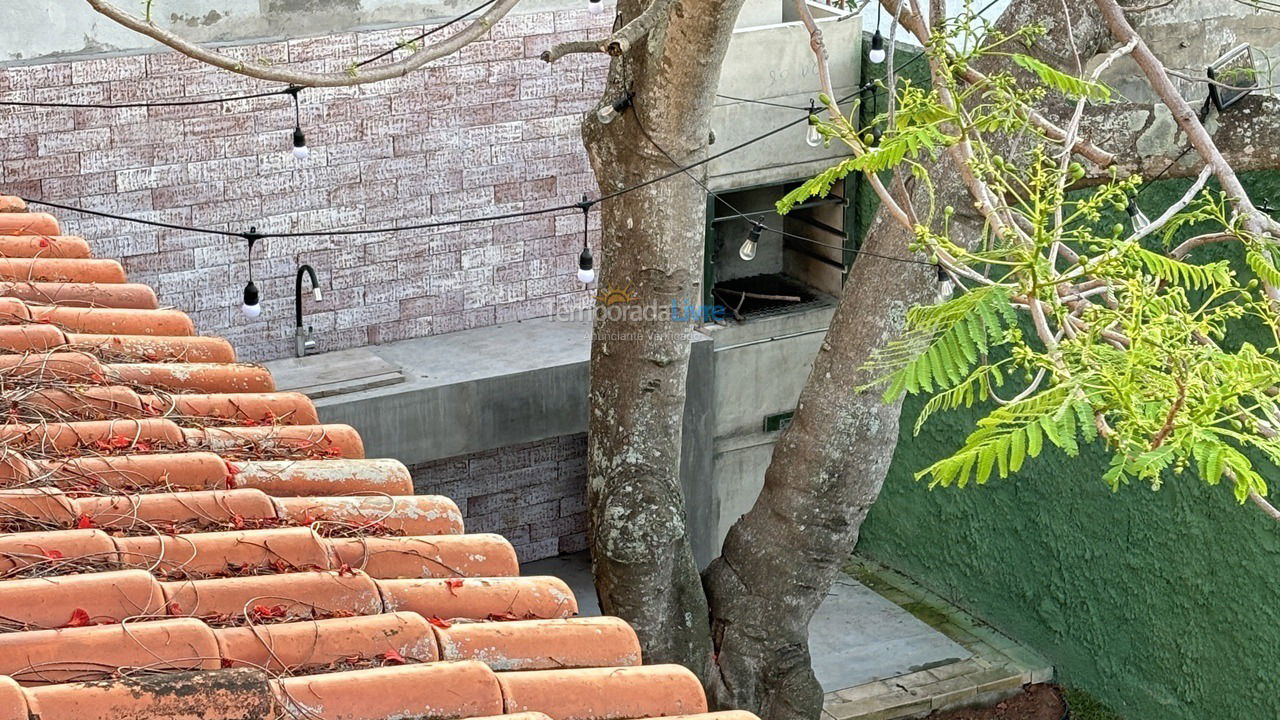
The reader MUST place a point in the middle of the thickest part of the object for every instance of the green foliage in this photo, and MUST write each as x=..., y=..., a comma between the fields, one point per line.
x=1069, y=85
x=1175, y=272
x=944, y=342
x=1100, y=336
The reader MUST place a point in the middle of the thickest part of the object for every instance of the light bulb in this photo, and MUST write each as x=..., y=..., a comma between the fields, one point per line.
x=1136, y=216
x=946, y=285
x=300, y=149
x=586, y=267
x=611, y=111
x=748, y=250
x=877, y=54
x=812, y=136
x=315, y=293
x=250, y=307
x=595, y=6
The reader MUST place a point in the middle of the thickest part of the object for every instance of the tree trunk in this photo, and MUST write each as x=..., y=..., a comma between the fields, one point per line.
x=651, y=249
x=780, y=559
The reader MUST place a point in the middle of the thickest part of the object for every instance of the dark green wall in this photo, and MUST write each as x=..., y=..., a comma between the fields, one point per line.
x=1166, y=605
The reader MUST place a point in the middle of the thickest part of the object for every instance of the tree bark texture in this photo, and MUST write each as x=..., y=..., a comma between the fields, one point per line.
x=652, y=249
x=780, y=559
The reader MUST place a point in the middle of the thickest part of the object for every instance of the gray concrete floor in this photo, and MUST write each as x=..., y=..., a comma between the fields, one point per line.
x=856, y=636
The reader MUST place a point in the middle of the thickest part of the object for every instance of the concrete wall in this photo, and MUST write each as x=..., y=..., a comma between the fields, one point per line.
x=1161, y=603
x=761, y=366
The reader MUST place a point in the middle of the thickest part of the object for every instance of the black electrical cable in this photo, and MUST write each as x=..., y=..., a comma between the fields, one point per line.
x=149, y=103
x=427, y=33
x=252, y=234
x=140, y=221
x=753, y=101
x=644, y=131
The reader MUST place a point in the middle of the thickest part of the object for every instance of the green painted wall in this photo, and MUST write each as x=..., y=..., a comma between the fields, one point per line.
x=1166, y=605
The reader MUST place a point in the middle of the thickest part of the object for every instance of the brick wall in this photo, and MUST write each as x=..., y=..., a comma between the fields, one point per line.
x=533, y=494
x=492, y=129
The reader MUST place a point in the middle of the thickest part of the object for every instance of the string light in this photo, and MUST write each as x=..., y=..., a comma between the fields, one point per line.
x=758, y=226
x=812, y=135
x=1136, y=216
x=586, y=267
x=253, y=234
x=612, y=110
x=251, y=306
x=877, y=54
x=748, y=250
x=300, y=149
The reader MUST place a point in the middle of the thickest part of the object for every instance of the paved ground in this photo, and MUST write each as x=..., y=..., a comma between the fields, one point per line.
x=857, y=635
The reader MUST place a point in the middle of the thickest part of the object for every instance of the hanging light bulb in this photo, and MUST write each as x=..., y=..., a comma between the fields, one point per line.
x=748, y=250
x=1136, y=216
x=595, y=6
x=877, y=54
x=586, y=271
x=251, y=307
x=610, y=111
x=945, y=284
x=586, y=266
x=812, y=135
x=300, y=149
x=315, y=293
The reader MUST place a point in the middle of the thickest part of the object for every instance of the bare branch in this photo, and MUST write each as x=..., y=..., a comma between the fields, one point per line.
x=824, y=82
x=1267, y=507
x=396, y=69
x=1184, y=115
x=621, y=40
x=572, y=47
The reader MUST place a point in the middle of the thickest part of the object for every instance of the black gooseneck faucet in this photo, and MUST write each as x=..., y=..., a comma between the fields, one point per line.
x=303, y=343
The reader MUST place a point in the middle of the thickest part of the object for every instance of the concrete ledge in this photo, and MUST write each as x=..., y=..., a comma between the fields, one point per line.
x=493, y=387
x=998, y=669
x=470, y=391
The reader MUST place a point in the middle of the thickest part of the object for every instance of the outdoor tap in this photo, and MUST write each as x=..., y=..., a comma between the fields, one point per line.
x=302, y=341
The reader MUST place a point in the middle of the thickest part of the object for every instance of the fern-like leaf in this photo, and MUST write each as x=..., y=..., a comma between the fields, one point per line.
x=1069, y=85
x=1176, y=272
x=942, y=342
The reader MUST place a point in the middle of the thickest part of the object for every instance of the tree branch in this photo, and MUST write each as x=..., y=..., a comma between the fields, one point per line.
x=621, y=40
x=302, y=77
x=1184, y=115
x=824, y=83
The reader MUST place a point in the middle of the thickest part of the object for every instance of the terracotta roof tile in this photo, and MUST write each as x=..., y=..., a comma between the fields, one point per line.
x=28, y=223
x=60, y=270
x=121, y=295
x=45, y=246
x=261, y=567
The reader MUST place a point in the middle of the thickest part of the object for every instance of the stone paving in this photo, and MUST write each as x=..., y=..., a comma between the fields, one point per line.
x=997, y=668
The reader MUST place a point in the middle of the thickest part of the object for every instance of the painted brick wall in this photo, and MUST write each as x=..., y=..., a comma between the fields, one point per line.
x=533, y=494
x=492, y=129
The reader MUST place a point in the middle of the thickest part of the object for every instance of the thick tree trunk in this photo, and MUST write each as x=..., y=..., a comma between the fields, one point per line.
x=780, y=559
x=652, y=249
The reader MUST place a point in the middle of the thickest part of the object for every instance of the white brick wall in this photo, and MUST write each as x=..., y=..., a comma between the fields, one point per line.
x=490, y=130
